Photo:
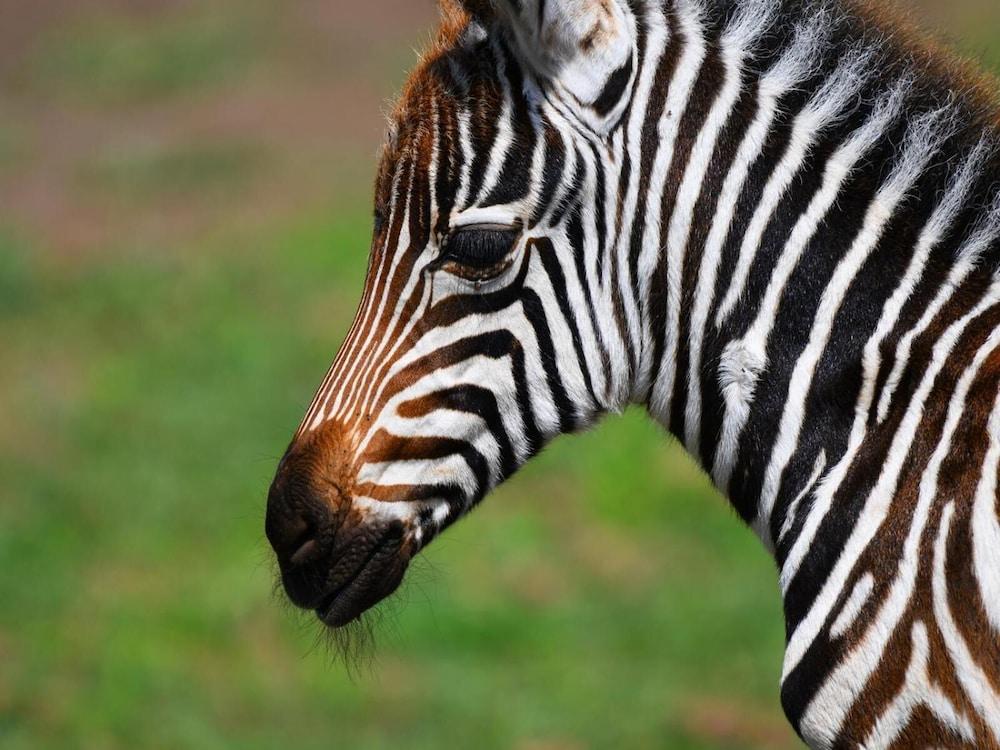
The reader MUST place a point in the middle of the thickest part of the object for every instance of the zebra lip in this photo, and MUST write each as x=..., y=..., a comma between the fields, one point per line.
x=375, y=579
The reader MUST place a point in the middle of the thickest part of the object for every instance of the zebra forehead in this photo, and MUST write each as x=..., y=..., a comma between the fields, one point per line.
x=462, y=69
x=449, y=106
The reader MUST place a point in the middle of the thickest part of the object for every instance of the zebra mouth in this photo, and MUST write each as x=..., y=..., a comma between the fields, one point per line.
x=378, y=576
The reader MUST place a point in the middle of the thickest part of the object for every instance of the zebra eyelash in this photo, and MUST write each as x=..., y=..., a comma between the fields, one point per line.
x=479, y=252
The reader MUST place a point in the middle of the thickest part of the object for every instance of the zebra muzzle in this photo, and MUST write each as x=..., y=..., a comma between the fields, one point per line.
x=333, y=558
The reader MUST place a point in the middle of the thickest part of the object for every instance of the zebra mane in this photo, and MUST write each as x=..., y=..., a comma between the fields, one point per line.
x=884, y=23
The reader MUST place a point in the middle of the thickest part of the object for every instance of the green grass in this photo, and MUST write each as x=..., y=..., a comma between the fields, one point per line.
x=13, y=144
x=601, y=599
x=145, y=171
x=116, y=59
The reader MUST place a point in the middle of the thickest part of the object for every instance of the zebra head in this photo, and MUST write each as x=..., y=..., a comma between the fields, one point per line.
x=490, y=320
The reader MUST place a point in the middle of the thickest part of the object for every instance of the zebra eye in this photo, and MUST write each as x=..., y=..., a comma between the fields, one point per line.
x=478, y=253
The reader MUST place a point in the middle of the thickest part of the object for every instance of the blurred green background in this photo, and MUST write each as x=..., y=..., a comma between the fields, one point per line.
x=184, y=218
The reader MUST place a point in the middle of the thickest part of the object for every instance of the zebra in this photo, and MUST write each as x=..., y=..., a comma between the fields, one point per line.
x=775, y=224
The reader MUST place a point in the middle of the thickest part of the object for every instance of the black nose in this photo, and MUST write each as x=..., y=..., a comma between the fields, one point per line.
x=293, y=536
x=297, y=520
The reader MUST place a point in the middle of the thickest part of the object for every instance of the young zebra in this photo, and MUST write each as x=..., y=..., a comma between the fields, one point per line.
x=776, y=224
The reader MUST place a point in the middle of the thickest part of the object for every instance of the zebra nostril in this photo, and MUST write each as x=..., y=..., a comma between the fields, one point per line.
x=294, y=536
x=293, y=527
x=305, y=508
x=301, y=540
x=308, y=550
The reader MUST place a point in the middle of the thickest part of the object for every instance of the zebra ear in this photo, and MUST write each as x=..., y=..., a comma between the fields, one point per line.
x=584, y=51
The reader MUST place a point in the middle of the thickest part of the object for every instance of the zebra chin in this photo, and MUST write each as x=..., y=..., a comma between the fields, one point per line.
x=338, y=555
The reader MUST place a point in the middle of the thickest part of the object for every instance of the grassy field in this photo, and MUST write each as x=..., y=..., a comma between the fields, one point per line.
x=177, y=266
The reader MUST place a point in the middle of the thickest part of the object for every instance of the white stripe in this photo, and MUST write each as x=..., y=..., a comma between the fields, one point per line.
x=853, y=606
x=833, y=701
x=674, y=109
x=918, y=690
x=737, y=42
x=986, y=527
x=876, y=506
x=922, y=141
x=940, y=222
x=825, y=109
x=656, y=41
x=505, y=133
x=789, y=71
x=474, y=371
x=974, y=681
x=793, y=508
x=984, y=236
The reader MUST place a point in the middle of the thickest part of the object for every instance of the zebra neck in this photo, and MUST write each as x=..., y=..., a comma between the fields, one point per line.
x=811, y=191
